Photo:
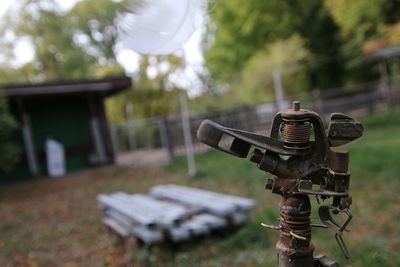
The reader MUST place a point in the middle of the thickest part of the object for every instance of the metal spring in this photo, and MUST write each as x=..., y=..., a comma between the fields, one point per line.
x=296, y=226
x=296, y=134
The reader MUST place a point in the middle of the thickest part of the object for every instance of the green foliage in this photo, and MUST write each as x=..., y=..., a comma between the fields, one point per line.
x=238, y=29
x=150, y=96
x=56, y=56
x=336, y=35
x=146, y=103
x=358, y=20
x=109, y=70
x=365, y=26
x=358, y=17
x=210, y=101
x=287, y=55
x=72, y=45
x=314, y=23
x=96, y=28
x=9, y=151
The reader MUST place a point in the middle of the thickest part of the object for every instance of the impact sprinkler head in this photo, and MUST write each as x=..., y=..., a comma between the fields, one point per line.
x=299, y=154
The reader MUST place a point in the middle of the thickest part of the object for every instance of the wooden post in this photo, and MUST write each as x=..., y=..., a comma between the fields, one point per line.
x=106, y=130
x=95, y=126
x=27, y=136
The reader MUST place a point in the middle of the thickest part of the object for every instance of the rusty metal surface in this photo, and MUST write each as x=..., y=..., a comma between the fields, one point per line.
x=324, y=261
x=297, y=162
x=294, y=246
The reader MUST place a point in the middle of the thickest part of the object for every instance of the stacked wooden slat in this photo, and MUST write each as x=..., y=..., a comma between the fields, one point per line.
x=171, y=212
x=233, y=208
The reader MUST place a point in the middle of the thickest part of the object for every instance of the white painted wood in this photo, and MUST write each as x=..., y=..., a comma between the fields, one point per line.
x=144, y=210
x=148, y=236
x=124, y=220
x=178, y=234
x=136, y=213
x=204, y=223
x=210, y=221
x=192, y=200
x=215, y=203
x=164, y=213
x=198, y=225
x=152, y=220
x=116, y=226
x=195, y=227
x=239, y=218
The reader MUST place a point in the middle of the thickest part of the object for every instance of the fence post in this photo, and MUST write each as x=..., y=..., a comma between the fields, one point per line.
x=370, y=99
x=187, y=136
x=279, y=98
x=114, y=141
x=130, y=132
x=165, y=137
x=318, y=105
x=385, y=84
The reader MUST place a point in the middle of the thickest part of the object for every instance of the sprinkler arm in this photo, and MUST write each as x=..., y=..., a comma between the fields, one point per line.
x=342, y=129
x=212, y=133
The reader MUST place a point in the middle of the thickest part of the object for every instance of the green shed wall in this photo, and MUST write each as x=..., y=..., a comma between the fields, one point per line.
x=65, y=119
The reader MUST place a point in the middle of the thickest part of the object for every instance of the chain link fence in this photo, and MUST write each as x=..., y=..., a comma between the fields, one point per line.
x=158, y=140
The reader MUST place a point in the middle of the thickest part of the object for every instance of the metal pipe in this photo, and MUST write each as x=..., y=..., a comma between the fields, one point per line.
x=294, y=246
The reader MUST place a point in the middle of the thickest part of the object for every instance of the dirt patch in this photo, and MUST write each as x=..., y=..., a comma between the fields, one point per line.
x=48, y=222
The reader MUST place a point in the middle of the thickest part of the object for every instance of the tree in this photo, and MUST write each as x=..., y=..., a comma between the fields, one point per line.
x=95, y=29
x=238, y=30
x=56, y=56
x=365, y=26
x=255, y=83
x=9, y=151
x=312, y=21
x=364, y=21
x=150, y=96
x=68, y=45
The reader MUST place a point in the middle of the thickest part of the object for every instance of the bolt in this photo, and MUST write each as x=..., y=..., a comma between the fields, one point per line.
x=296, y=105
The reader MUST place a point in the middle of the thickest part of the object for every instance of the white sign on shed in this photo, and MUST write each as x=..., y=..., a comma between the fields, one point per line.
x=55, y=158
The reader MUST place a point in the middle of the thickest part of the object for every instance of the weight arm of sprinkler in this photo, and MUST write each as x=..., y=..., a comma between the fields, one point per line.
x=299, y=153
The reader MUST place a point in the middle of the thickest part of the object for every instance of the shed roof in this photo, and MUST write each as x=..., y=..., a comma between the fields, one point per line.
x=106, y=87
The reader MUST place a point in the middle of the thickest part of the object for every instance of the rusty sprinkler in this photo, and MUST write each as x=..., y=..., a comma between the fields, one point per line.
x=299, y=154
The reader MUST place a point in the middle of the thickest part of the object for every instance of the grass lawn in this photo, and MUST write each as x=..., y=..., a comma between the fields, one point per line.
x=57, y=223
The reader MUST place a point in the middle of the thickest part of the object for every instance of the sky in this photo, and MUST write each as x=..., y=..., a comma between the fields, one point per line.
x=128, y=58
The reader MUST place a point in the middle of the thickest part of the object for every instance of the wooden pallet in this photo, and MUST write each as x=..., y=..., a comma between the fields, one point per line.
x=233, y=208
x=173, y=213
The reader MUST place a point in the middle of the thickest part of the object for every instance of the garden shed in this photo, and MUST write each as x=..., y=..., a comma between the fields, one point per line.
x=69, y=112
